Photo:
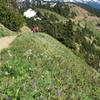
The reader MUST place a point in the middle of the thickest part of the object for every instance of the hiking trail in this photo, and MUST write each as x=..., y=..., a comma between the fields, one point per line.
x=6, y=41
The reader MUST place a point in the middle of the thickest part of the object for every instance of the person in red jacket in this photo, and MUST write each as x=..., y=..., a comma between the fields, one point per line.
x=35, y=28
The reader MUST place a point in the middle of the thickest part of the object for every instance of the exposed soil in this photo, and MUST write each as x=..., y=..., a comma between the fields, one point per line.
x=6, y=41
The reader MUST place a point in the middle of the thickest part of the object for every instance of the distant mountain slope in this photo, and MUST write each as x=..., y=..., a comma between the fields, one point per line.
x=73, y=7
x=37, y=66
x=92, y=3
x=49, y=13
x=90, y=9
x=79, y=10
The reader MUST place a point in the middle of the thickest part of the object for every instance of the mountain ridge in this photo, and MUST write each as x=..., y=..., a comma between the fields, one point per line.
x=92, y=3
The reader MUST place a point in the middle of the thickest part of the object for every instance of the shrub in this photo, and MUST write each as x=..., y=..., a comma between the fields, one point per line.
x=11, y=19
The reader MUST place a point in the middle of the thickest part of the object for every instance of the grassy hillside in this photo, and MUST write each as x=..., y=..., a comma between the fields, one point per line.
x=81, y=33
x=92, y=24
x=38, y=67
x=87, y=17
x=4, y=31
x=79, y=10
x=45, y=11
x=94, y=11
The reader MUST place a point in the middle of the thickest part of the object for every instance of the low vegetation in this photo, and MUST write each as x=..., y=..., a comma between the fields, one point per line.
x=60, y=8
x=36, y=66
x=50, y=15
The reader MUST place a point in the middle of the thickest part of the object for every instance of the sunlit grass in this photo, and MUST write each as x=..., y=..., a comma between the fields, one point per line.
x=36, y=66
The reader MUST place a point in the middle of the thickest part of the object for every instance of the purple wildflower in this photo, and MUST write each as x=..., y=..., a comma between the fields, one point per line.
x=33, y=83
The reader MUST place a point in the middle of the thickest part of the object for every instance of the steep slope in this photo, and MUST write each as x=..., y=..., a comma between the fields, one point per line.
x=79, y=10
x=92, y=24
x=87, y=7
x=36, y=66
x=83, y=30
x=87, y=16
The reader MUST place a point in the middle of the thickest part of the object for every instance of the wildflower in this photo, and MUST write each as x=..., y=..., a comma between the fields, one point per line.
x=9, y=53
x=33, y=83
x=28, y=52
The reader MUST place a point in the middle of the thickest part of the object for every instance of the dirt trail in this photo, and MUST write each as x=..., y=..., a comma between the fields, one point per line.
x=6, y=41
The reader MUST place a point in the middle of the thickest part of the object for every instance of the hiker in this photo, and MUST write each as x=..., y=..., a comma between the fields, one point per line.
x=35, y=28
